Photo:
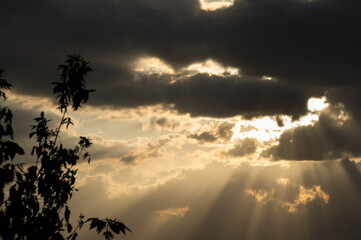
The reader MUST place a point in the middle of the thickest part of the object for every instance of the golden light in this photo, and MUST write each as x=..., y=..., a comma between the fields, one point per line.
x=212, y=5
x=282, y=181
x=212, y=68
x=267, y=129
x=152, y=65
x=317, y=104
x=268, y=78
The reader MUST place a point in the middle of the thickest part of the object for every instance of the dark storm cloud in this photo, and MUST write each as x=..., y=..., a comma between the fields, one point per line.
x=296, y=41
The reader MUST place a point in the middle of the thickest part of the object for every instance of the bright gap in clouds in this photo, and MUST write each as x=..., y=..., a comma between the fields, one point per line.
x=212, y=68
x=150, y=65
x=317, y=104
x=270, y=128
x=212, y=5
x=267, y=129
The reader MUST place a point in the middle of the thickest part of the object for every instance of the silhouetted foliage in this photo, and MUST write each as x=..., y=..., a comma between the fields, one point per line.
x=34, y=198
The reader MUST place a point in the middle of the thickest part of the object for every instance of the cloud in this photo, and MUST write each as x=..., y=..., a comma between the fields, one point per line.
x=178, y=212
x=152, y=150
x=268, y=57
x=212, y=5
x=242, y=148
x=165, y=123
x=282, y=181
x=261, y=195
x=305, y=196
x=334, y=136
x=219, y=131
x=204, y=137
x=279, y=38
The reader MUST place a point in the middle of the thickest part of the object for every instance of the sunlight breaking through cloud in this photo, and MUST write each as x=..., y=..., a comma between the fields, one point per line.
x=317, y=104
x=270, y=128
x=151, y=65
x=212, y=68
x=212, y=5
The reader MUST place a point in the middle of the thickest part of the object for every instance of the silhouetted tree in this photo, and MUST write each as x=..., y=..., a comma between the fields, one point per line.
x=34, y=198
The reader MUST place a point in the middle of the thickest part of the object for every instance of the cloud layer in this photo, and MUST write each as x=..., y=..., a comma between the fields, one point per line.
x=286, y=51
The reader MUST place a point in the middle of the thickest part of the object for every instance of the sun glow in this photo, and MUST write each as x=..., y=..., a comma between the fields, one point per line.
x=268, y=78
x=150, y=65
x=212, y=68
x=267, y=129
x=270, y=128
x=317, y=104
x=212, y=5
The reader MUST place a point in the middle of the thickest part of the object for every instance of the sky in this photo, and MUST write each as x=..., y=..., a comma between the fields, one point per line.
x=211, y=119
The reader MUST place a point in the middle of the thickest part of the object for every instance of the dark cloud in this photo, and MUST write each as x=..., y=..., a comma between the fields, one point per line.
x=216, y=96
x=348, y=97
x=303, y=43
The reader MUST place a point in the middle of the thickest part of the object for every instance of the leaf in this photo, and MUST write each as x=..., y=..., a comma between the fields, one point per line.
x=69, y=227
x=117, y=226
x=8, y=116
x=101, y=226
x=114, y=227
x=67, y=214
x=108, y=235
x=57, y=236
x=1, y=195
x=123, y=228
x=14, y=149
x=94, y=222
x=75, y=235
x=86, y=155
x=19, y=176
x=32, y=173
x=31, y=134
